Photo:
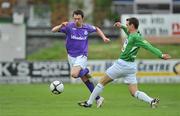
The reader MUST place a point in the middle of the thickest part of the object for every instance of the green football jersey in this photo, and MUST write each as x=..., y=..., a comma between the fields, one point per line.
x=133, y=43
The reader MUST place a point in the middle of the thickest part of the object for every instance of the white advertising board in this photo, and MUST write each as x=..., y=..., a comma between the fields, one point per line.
x=148, y=71
x=156, y=24
x=34, y=72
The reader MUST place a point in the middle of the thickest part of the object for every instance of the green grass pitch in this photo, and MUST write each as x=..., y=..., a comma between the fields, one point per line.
x=37, y=100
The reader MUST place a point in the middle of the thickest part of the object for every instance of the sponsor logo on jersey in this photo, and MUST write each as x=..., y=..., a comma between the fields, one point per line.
x=85, y=32
x=73, y=28
x=77, y=38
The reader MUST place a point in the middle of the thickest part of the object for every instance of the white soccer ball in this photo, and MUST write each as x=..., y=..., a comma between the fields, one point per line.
x=56, y=87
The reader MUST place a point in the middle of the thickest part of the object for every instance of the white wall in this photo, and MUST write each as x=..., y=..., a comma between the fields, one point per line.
x=12, y=42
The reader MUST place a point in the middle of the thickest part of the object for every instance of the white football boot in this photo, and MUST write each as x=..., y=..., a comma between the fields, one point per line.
x=100, y=102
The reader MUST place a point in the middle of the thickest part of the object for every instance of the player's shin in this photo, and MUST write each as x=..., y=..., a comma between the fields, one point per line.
x=97, y=90
x=143, y=96
x=89, y=85
x=83, y=72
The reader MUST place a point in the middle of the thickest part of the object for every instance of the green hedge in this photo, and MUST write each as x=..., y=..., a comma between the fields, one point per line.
x=100, y=50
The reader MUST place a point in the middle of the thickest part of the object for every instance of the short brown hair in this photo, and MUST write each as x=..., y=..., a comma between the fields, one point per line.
x=78, y=12
x=133, y=21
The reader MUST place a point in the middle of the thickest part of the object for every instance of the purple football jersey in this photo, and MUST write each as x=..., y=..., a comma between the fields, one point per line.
x=77, y=38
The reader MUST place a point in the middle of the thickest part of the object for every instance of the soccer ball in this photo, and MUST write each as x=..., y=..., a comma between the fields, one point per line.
x=56, y=87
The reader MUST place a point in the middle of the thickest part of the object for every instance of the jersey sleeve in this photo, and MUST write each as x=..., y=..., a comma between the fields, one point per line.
x=146, y=45
x=91, y=28
x=124, y=28
x=63, y=29
x=66, y=29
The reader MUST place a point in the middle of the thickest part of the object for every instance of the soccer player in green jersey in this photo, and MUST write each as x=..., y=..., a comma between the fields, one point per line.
x=125, y=67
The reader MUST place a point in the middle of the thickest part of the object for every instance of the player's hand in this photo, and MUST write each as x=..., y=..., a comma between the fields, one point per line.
x=106, y=40
x=166, y=56
x=117, y=24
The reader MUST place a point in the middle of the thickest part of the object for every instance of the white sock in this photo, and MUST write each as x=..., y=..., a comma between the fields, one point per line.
x=143, y=96
x=97, y=90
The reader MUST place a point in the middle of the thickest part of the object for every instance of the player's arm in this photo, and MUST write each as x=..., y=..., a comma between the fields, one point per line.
x=58, y=27
x=101, y=34
x=146, y=45
x=124, y=28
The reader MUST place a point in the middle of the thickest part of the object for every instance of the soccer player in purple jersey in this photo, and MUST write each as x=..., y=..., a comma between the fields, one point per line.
x=77, y=47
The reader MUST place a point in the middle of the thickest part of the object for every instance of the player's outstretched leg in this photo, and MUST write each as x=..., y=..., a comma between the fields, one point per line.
x=97, y=90
x=142, y=95
x=85, y=78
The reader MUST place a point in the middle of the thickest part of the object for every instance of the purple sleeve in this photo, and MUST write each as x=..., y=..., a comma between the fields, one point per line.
x=91, y=28
x=63, y=29
x=66, y=29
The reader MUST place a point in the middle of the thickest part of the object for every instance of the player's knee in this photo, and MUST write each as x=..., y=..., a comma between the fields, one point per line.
x=74, y=74
x=132, y=94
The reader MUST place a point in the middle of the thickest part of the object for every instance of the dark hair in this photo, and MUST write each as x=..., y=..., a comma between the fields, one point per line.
x=133, y=21
x=78, y=12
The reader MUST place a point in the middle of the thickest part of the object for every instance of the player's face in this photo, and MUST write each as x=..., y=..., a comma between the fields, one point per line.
x=129, y=27
x=78, y=20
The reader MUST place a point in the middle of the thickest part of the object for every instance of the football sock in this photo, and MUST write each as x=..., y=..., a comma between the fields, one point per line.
x=83, y=72
x=143, y=96
x=90, y=86
x=97, y=90
x=88, y=76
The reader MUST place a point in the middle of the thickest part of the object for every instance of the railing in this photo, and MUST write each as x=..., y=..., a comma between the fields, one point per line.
x=44, y=32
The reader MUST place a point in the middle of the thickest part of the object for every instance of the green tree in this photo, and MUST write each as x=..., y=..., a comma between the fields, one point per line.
x=102, y=10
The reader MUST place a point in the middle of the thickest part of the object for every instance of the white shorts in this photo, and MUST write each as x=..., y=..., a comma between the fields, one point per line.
x=78, y=61
x=123, y=69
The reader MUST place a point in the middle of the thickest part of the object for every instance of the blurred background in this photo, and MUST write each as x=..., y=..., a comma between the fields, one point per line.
x=30, y=52
x=31, y=57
